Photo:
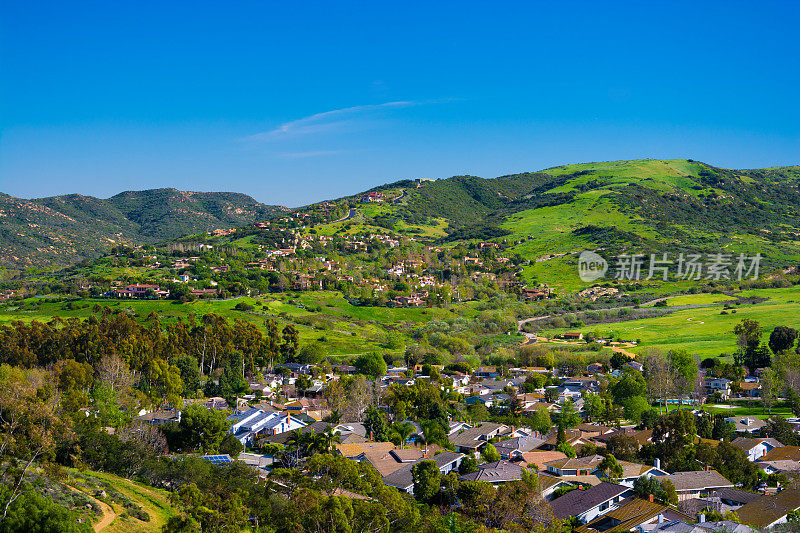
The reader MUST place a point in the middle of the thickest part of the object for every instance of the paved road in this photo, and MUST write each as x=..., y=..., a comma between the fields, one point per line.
x=350, y=214
x=397, y=200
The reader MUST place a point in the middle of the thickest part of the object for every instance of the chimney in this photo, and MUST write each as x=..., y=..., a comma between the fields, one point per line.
x=702, y=518
x=651, y=498
x=657, y=463
x=660, y=519
x=708, y=468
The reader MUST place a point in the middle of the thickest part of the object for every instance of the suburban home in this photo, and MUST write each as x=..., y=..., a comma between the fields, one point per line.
x=588, y=504
x=516, y=446
x=578, y=466
x=696, y=484
x=632, y=513
x=402, y=478
x=633, y=471
x=487, y=372
x=783, y=453
x=594, y=368
x=746, y=424
x=768, y=511
x=721, y=385
x=750, y=389
x=549, y=484
x=141, y=291
x=358, y=451
x=159, y=418
x=721, y=500
x=496, y=473
x=247, y=425
x=472, y=440
x=537, y=458
x=756, y=448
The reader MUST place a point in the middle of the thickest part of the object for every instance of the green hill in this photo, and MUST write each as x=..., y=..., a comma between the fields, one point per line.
x=71, y=227
x=641, y=206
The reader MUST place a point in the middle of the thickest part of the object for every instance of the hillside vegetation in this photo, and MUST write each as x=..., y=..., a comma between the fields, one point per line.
x=65, y=229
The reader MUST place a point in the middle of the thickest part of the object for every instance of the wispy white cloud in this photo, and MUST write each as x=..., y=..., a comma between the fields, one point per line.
x=326, y=121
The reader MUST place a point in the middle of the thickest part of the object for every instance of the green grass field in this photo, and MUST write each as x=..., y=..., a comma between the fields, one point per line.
x=342, y=328
x=705, y=331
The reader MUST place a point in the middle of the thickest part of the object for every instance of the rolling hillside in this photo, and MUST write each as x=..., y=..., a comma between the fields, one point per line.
x=66, y=229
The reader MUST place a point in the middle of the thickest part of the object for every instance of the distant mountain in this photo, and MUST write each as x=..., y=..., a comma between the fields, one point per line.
x=72, y=227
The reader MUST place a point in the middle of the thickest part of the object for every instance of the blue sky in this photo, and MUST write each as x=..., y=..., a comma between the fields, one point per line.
x=296, y=102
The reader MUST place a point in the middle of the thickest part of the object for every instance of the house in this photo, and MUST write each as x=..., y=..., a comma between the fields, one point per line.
x=253, y=422
x=402, y=478
x=633, y=512
x=749, y=389
x=485, y=399
x=496, y=473
x=141, y=291
x=594, y=368
x=783, y=453
x=514, y=447
x=472, y=440
x=633, y=471
x=537, y=458
x=756, y=448
x=768, y=511
x=578, y=466
x=722, y=501
x=588, y=504
x=721, y=385
x=159, y=418
x=572, y=335
x=358, y=451
x=548, y=485
x=746, y=424
x=696, y=484
x=487, y=372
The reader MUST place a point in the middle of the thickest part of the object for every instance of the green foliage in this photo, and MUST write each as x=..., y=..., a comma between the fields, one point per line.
x=35, y=513
x=490, y=453
x=200, y=429
x=370, y=364
x=427, y=480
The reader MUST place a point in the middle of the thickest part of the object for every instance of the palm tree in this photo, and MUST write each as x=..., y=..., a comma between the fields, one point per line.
x=404, y=429
x=323, y=442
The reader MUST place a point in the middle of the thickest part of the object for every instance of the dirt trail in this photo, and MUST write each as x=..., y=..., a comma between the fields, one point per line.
x=108, y=512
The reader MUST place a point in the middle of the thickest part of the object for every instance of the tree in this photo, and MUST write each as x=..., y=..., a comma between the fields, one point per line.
x=490, y=453
x=403, y=430
x=684, y=370
x=375, y=424
x=541, y=421
x=189, y=372
x=165, y=383
x=371, y=365
x=658, y=376
x=673, y=432
x=618, y=360
x=427, y=480
x=569, y=416
x=625, y=447
x=611, y=467
x=670, y=495
x=782, y=338
x=202, y=429
x=230, y=445
x=468, y=465
x=770, y=387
